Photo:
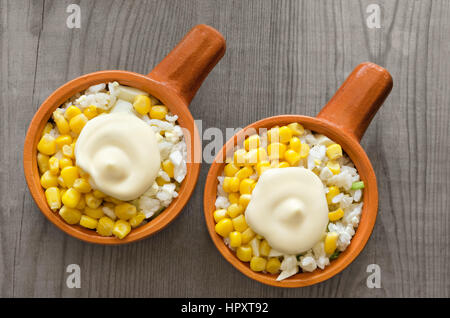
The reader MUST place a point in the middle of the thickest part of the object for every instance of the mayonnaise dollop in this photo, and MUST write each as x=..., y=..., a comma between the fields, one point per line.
x=120, y=153
x=289, y=208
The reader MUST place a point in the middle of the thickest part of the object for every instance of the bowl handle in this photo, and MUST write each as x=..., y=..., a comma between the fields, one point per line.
x=358, y=99
x=188, y=64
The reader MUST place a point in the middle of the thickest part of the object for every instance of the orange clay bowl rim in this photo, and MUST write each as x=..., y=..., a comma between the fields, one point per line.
x=174, y=81
x=368, y=215
x=68, y=90
x=344, y=119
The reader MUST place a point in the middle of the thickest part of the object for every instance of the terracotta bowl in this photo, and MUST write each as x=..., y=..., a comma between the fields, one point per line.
x=174, y=81
x=344, y=119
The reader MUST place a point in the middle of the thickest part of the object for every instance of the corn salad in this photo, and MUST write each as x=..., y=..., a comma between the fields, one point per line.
x=68, y=189
x=279, y=147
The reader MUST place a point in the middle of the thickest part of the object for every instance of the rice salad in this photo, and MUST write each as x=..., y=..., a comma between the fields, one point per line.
x=341, y=185
x=94, y=101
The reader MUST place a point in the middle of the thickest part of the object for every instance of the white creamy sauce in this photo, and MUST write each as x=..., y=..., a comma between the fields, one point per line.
x=289, y=208
x=120, y=153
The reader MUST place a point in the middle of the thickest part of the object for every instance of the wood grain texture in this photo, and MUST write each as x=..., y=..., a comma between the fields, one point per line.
x=282, y=57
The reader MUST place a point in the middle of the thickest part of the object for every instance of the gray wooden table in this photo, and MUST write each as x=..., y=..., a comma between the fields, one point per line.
x=282, y=57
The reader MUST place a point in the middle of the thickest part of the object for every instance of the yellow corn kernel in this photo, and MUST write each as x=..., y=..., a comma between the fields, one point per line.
x=273, y=135
x=262, y=166
x=49, y=180
x=99, y=194
x=252, y=142
x=125, y=211
x=65, y=162
x=82, y=203
x=160, y=181
x=230, y=170
x=251, y=157
x=71, y=216
x=331, y=242
x=264, y=248
x=239, y=223
x=88, y=222
x=317, y=162
x=235, y=239
x=234, y=210
x=244, y=200
x=136, y=220
x=261, y=154
x=244, y=253
x=273, y=265
x=334, y=166
x=334, y=151
x=92, y=201
x=258, y=264
x=69, y=175
x=71, y=112
x=292, y=157
x=245, y=187
x=63, y=140
x=224, y=227
x=231, y=184
x=61, y=182
x=158, y=112
x=113, y=200
x=61, y=123
x=332, y=192
x=68, y=150
x=239, y=157
x=142, y=104
x=297, y=129
x=105, y=226
x=168, y=167
x=42, y=161
x=276, y=150
x=283, y=164
x=71, y=198
x=233, y=197
x=121, y=229
x=304, y=151
x=47, y=145
x=244, y=172
x=285, y=134
x=248, y=235
x=336, y=215
x=53, y=197
x=82, y=185
x=90, y=112
x=77, y=123
x=53, y=165
x=220, y=215
x=295, y=144
x=96, y=213
x=47, y=129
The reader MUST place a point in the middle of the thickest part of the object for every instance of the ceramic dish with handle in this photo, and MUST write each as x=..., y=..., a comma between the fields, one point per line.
x=344, y=120
x=174, y=81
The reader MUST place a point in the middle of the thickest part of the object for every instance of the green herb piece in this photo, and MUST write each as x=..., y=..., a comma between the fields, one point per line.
x=358, y=185
x=334, y=255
